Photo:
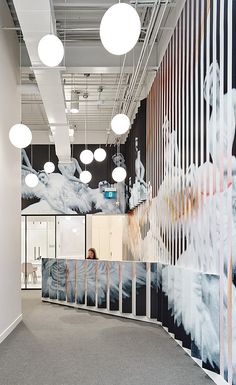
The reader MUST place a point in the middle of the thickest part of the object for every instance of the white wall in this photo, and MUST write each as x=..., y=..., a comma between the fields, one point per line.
x=107, y=236
x=10, y=225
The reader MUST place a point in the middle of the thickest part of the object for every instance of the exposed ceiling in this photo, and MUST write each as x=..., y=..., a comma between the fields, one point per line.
x=104, y=84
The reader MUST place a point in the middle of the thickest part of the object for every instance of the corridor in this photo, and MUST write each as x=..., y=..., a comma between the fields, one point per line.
x=57, y=345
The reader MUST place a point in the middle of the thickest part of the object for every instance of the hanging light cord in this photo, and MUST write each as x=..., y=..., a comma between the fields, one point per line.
x=118, y=146
x=65, y=20
x=85, y=132
x=20, y=78
x=50, y=20
x=100, y=111
x=31, y=156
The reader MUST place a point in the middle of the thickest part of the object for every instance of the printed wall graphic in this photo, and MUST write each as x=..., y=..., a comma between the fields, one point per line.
x=139, y=190
x=52, y=280
x=61, y=280
x=188, y=302
x=193, y=307
x=153, y=291
x=91, y=282
x=159, y=293
x=140, y=275
x=102, y=284
x=62, y=192
x=114, y=284
x=127, y=290
x=70, y=280
x=45, y=277
x=80, y=282
x=196, y=307
x=189, y=218
x=210, y=328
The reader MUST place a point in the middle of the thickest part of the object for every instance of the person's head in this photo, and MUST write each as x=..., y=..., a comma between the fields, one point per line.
x=43, y=177
x=92, y=253
x=119, y=160
x=212, y=83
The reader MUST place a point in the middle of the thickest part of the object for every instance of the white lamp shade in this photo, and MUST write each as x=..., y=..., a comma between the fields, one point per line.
x=49, y=167
x=50, y=50
x=85, y=176
x=120, y=29
x=120, y=124
x=86, y=157
x=119, y=174
x=100, y=154
x=31, y=180
x=20, y=135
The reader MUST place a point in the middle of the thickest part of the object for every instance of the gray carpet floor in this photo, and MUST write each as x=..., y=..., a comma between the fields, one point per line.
x=56, y=345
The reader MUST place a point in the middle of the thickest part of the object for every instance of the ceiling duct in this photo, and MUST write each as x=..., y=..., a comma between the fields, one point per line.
x=36, y=20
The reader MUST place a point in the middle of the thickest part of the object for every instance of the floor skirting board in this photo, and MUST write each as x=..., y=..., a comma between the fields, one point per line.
x=10, y=328
x=102, y=311
x=215, y=377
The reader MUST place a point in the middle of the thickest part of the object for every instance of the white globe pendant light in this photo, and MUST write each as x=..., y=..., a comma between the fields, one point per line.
x=119, y=174
x=85, y=176
x=20, y=135
x=120, y=29
x=50, y=50
x=31, y=180
x=86, y=156
x=49, y=167
x=120, y=124
x=100, y=154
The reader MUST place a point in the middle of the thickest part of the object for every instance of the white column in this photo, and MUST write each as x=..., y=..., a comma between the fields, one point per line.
x=10, y=190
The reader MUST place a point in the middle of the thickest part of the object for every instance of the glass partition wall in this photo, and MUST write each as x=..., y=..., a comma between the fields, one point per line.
x=71, y=237
x=48, y=237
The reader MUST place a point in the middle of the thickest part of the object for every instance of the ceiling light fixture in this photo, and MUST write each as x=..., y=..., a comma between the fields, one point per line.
x=119, y=174
x=31, y=180
x=100, y=154
x=86, y=156
x=49, y=166
x=85, y=176
x=120, y=28
x=50, y=50
x=74, y=105
x=120, y=124
x=20, y=135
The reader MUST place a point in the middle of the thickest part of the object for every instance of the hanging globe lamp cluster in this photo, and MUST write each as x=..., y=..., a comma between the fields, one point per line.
x=120, y=29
